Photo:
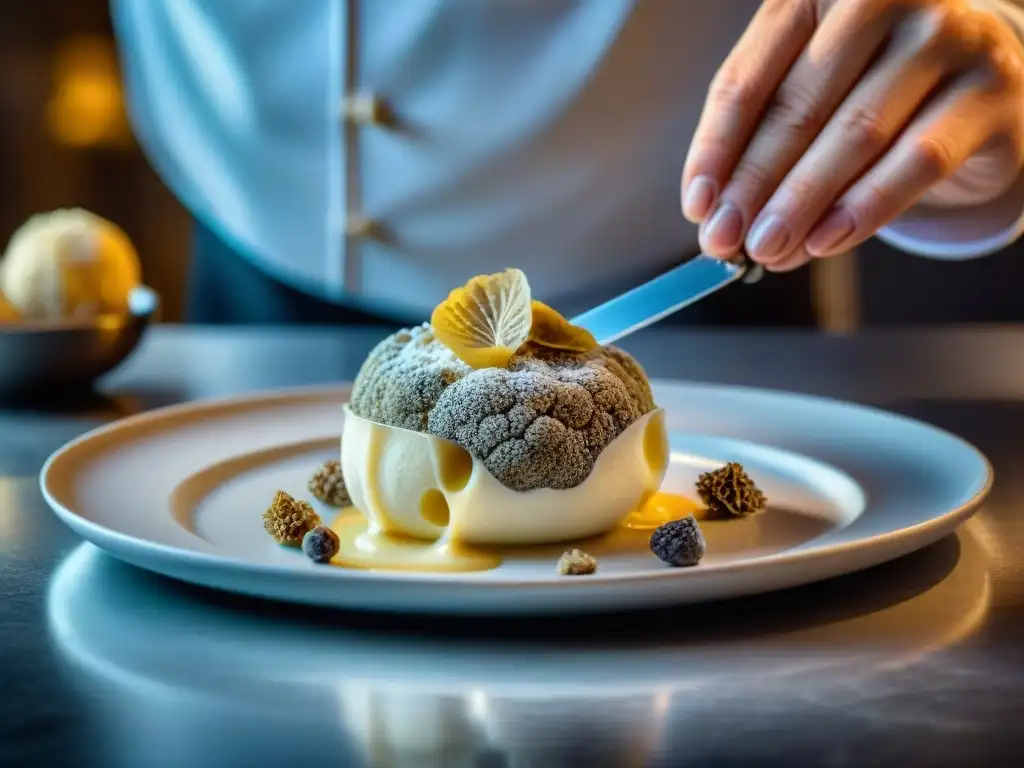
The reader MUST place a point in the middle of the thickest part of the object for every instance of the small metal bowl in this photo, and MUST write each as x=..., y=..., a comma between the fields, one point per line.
x=41, y=358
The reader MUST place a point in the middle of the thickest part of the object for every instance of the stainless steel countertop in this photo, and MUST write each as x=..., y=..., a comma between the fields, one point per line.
x=916, y=663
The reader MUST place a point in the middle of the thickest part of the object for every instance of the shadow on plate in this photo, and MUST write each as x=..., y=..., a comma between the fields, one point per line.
x=774, y=530
x=826, y=602
x=162, y=658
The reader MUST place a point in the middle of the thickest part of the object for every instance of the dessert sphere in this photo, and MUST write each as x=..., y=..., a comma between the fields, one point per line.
x=69, y=264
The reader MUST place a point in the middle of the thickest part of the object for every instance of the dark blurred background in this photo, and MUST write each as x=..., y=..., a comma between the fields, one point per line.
x=66, y=141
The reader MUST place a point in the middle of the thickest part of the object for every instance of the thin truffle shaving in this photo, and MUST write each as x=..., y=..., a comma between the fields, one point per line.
x=539, y=423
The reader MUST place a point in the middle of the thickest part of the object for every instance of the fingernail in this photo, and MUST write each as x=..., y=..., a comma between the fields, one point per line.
x=768, y=238
x=830, y=234
x=723, y=230
x=700, y=196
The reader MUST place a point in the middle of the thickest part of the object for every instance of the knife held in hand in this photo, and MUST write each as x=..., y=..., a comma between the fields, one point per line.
x=656, y=299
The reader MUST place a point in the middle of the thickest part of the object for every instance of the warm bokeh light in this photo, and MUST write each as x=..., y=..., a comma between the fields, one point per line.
x=87, y=108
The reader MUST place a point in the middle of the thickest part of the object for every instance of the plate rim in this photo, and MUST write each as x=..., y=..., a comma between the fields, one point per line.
x=119, y=543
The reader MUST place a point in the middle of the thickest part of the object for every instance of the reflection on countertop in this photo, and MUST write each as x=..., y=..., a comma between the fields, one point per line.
x=255, y=683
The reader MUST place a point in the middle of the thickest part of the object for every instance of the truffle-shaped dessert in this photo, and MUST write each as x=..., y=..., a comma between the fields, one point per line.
x=500, y=422
x=69, y=264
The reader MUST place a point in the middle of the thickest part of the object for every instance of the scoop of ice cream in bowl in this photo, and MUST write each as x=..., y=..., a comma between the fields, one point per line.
x=500, y=423
x=72, y=304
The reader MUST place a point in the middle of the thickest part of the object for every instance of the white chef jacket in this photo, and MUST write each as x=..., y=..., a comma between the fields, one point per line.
x=379, y=152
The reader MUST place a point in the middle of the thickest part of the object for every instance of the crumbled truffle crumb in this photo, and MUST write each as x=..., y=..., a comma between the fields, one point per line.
x=729, y=492
x=320, y=544
x=540, y=423
x=328, y=485
x=679, y=543
x=577, y=563
x=287, y=520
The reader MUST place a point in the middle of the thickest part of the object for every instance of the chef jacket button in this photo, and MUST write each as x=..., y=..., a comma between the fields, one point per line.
x=363, y=228
x=366, y=109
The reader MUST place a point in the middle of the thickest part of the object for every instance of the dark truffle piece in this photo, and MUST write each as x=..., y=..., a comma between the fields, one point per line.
x=729, y=492
x=679, y=543
x=320, y=544
x=287, y=520
x=328, y=485
x=577, y=563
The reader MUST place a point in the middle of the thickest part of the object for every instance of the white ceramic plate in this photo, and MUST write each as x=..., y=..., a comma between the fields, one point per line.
x=180, y=491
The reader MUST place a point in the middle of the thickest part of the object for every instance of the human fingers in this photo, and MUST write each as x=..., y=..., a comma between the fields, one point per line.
x=958, y=126
x=925, y=51
x=833, y=60
x=793, y=260
x=983, y=109
x=739, y=93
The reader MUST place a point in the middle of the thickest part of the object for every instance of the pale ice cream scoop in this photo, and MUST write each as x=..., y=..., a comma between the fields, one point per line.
x=69, y=264
x=423, y=486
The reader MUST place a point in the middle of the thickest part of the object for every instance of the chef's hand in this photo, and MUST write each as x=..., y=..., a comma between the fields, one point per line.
x=830, y=118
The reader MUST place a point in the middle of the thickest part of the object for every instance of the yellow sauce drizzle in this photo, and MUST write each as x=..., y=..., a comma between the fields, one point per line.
x=660, y=508
x=454, y=464
x=656, y=445
x=365, y=547
x=434, y=508
x=373, y=461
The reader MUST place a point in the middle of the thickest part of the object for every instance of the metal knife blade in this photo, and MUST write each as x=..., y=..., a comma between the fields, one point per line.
x=658, y=298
